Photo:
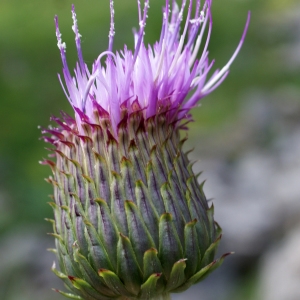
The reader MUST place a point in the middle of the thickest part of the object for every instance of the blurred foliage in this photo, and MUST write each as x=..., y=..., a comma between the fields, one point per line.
x=30, y=91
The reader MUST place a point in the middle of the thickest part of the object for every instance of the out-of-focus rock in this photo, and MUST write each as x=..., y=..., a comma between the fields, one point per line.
x=25, y=265
x=257, y=196
x=280, y=269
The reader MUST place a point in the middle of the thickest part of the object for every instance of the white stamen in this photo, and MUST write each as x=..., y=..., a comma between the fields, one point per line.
x=75, y=26
x=198, y=41
x=177, y=55
x=161, y=59
x=61, y=46
x=172, y=28
x=197, y=21
x=195, y=81
x=111, y=33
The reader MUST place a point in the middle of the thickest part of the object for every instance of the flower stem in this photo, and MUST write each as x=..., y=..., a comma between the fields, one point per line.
x=165, y=296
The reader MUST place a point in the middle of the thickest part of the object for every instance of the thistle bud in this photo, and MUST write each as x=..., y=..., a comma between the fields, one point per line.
x=131, y=220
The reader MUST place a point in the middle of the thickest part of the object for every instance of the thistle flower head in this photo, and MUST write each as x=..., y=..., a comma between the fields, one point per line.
x=130, y=218
x=168, y=75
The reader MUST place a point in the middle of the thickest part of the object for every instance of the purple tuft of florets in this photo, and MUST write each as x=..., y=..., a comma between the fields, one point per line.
x=170, y=74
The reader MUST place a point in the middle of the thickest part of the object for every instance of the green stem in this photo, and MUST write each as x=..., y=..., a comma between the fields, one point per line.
x=165, y=296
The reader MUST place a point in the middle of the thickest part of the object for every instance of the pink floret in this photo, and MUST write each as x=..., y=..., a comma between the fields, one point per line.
x=170, y=74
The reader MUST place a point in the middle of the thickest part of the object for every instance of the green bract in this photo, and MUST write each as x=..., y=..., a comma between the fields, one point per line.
x=131, y=220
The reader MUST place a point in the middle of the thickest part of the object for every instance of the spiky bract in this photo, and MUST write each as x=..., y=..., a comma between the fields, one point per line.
x=131, y=220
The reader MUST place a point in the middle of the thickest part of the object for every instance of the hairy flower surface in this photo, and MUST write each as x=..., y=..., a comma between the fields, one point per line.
x=131, y=220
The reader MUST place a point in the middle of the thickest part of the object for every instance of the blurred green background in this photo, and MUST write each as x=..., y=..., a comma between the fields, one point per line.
x=268, y=65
